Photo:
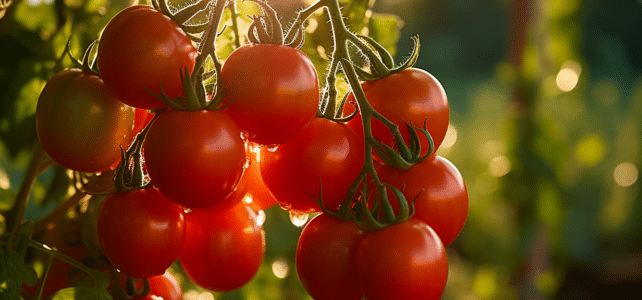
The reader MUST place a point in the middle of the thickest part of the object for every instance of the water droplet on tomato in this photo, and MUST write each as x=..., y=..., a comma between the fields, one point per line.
x=247, y=163
x=272, y=148
x=260, y=218
x=298, y=218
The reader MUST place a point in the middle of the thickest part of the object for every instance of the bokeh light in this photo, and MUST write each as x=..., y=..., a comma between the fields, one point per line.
x=280, y=268
x=499, y=166
x=568, y=76
x=625, y=174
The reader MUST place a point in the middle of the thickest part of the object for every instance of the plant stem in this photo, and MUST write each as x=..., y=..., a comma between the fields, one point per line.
x=57, y=213
x=15, y=215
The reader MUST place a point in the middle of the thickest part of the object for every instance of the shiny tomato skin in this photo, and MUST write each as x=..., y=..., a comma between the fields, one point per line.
x=443, y=203
x=403, y=261
x=325, y=259
x=80, y=124
x=164, y=287
x=325, y=150
x=273, y=91
x=140, y=48
x=141, y=231
x=195, y=158
x=258, y=196
x=411, y=95
x=223, y=250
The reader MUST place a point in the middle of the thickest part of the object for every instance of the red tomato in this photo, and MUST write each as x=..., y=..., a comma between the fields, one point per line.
x=80, y=124
x=164, y=287
x=403, y=261
x=258, y=196
x=325, y=150
x=411, y=95
x=194, y=158
x=443, y=204
x=142, y=117
x=273, y=89
x=140, y=48
x=223, y=250
x=325, y=259
x=141, y=232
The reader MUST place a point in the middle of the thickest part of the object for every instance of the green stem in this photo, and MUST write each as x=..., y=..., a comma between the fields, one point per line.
x=15, y=215
x=53, y=252
x=235, y=24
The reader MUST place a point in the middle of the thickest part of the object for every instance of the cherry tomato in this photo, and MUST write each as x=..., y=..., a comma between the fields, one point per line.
x=273, y=89
x=443, y=203
x=258, y=196
x=325, y=259
x=140, y=48
x=80, y=124
x=141, y=232
x=325, y=150
x=412, y=95
x=223, y=250
x=403, y=261
x=164, y=287
x=194, y=158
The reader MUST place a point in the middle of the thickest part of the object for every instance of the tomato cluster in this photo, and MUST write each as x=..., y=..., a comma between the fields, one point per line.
x=208, y=169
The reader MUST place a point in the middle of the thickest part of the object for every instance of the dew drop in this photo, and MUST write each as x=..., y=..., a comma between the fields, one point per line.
x=260, y=218
x=298, y=218
x=272, y=148
x=247, y=163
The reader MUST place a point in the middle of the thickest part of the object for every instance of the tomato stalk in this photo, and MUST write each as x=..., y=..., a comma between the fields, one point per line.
x=16, y=213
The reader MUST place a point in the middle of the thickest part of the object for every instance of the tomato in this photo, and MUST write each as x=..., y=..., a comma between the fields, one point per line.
x=325, y=150
x=273, y=91
x=80, y=124
x=141, y=232
x=140, y=48
x=443, y=203
x=223, y=250
x=325, y=259
x=412, y=95
x=164, y=287
x=403, y=261
x=194, y=158
x=258, y=196
x=142, y=117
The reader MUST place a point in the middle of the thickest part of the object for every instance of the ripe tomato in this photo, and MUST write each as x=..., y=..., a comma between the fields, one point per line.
x=80, y=124
x=403, y=261
x=325, y=259
x=273, y=89
x=411, y=95
x=194, y=158
x=140, y=48
x=258, y=196
x=141, y=232
x=223, y=250
x=325, y=150
x=443, y=204
x=164, y=287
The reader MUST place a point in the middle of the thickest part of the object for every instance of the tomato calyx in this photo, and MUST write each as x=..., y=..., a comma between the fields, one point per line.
x=266, y=29
x=403, y=157
x=381, y=213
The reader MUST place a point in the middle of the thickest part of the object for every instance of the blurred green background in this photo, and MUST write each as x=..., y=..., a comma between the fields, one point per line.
x=546, y=100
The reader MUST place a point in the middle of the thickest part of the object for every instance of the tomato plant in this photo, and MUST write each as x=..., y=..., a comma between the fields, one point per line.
x=325, y=258
x=325, y=151
x=196, y=158
x=80, y=124
x=273, y=91
x=402, y=261
x=223, y=249
x=141, y=232
x=443, y=198
x=161, y=49
x=412, y=95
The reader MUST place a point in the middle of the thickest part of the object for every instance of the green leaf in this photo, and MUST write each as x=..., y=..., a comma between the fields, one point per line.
x=14, y=272
x=82, y=293
x=385, y=29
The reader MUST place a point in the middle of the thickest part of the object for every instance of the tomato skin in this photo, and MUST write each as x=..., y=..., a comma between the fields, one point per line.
x=223, y=250
x=403, y=261
x=141, y=231
x=164, y=287
x=324, y=150
x=411, y=95
x=325, y=259
x=140, y=48
x=259, y=194
x=80, y=123
x=443, y=203
x=194, y=158
x=273, y=89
